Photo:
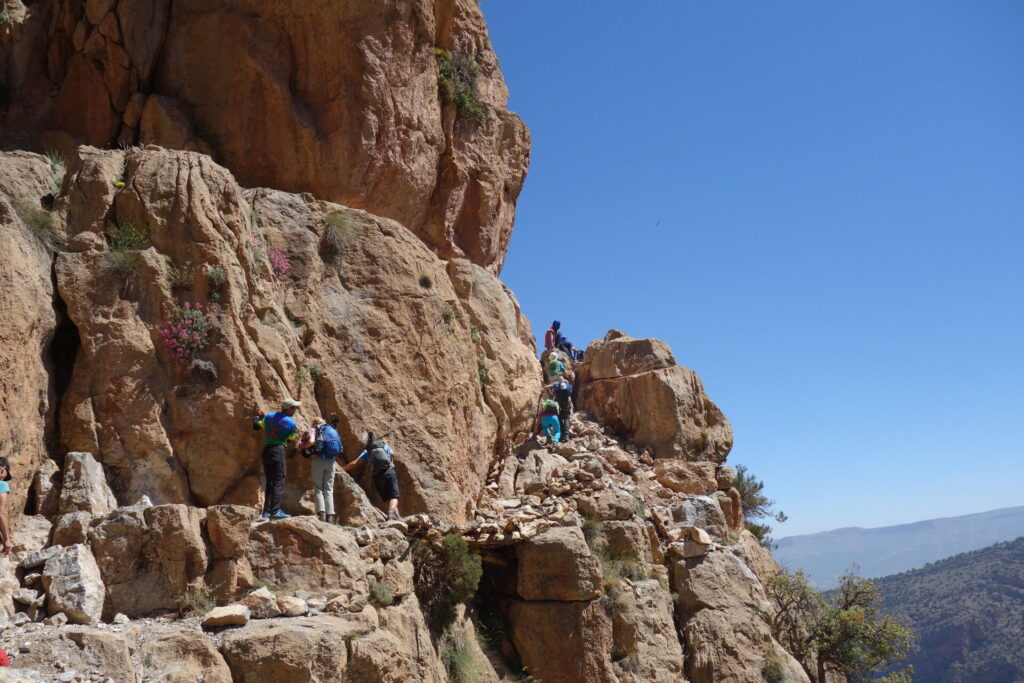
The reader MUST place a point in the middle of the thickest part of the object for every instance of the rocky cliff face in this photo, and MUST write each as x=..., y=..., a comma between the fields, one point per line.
x=151, y=297
x=358, y=318
x=341, y=100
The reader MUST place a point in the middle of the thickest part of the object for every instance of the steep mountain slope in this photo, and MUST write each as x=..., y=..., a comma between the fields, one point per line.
x=891, y=549
x=968, y=612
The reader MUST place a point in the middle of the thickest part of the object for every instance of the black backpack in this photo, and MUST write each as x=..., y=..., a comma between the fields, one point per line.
x=378, y=456
x=562, y=389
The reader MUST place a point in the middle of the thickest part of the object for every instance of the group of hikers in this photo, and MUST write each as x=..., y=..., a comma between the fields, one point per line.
x=321, y=443
x=558, y=359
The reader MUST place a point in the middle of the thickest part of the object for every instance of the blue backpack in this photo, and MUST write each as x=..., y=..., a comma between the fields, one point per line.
x=328, y=443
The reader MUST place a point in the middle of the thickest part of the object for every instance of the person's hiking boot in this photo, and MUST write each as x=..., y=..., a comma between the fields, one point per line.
x=322, y=516
x=280, y=514
x=262, y=516
x=332, y=519
x=393, y=515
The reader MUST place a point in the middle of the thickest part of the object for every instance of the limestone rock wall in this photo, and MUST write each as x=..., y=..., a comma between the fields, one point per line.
x=346, y=96
x=360, y=318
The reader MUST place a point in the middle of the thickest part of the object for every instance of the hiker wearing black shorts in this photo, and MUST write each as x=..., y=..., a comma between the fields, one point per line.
x=561, y=391
x=385, y=479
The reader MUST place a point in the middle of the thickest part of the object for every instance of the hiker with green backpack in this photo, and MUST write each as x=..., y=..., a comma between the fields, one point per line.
x=561, y=391
x=382, y=464
x=322, y=444
x=549, y=424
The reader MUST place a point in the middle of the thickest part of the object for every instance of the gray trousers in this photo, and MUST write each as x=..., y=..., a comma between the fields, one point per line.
x=321, y=471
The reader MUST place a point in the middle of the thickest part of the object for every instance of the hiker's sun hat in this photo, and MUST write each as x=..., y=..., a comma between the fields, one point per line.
x=290, y=403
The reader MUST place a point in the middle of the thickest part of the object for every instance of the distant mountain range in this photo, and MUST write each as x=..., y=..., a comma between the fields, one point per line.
x=968, y=615
x=893, y=549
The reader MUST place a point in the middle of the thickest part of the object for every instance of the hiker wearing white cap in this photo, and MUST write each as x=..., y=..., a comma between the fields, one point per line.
x=279, y=428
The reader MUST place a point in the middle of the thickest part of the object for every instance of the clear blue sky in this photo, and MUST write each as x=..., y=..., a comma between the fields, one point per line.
x=820, y=206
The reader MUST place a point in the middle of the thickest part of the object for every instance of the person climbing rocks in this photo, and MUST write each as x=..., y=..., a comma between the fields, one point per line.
x=5, y=520
x=322, y=443
x=382, y=465
x=549, y=424
x=551, y=334
x=555, y=369
x=279, y=428
x=561, y=391
x=566, y=347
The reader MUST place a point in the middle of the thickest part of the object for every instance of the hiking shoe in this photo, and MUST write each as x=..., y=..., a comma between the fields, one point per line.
x=393, y=515
x=280, y=514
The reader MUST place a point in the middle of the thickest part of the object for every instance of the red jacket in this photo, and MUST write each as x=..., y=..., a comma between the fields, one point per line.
x=549, y=338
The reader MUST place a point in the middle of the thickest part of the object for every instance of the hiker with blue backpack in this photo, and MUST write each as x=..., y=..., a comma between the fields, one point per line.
x=279, y=429
x=561, y=391
x=322, y=444
x=382, y=464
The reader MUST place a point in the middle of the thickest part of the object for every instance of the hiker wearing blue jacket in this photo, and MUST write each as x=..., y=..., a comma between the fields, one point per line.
x=322, y=444
x=278, y=430
x=385, y=478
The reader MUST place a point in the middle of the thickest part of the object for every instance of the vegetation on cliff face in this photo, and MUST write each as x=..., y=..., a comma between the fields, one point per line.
x=968, y=612
x=843, y=632
x=756, y=506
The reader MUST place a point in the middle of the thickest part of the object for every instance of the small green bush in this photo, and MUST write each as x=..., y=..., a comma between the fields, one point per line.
x=126, y=237
x=444, y=578
x=448, y=315
x=338, y=234
x=381, y=594
x=591, y=527
x=37, y=219
x=426, y=282
x=196, y=601
x=457, y=74
x=772, y=670
x=179, y=277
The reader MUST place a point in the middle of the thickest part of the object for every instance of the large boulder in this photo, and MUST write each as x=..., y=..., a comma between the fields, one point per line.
x=183, y=657
x=150, y=557
x=85, y=486
x=558, y=565
x=74, y=586
x=634, y=387
x=544, y=633
x=375, y=133
x=644, y=632
x=299, y=650
x=303, y=553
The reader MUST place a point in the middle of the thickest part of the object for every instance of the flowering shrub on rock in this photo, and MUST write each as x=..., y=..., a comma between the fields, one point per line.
x=215, y=275
x=187, y=332
x=279, y=262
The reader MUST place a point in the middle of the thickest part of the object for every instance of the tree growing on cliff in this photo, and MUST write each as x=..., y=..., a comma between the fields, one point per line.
x=756, y=505
x=842, y=632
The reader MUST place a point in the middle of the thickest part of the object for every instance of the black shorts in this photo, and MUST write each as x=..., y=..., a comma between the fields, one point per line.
x=386, y=483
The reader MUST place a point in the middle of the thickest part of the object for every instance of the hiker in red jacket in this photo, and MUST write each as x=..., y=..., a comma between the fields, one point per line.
x=550, y=336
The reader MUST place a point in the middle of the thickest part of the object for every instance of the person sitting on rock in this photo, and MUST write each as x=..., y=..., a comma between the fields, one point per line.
x=566, y=347
x=5, y=520
x=382, y=465
x=551, y=334
x=322, y=443
x=561, y=391
x=279, y=428
x=549, y=424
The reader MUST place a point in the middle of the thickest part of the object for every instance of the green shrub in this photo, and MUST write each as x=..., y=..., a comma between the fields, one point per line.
x=381, y=594
x=591, y=527
x=457, y=74
x=59, y=171
x=126, y=237
x=179, y=277
x=448, y=315
x=444, y=578
x=461, y=663
x=37, y=219
x=474, y=334
x=426, y=282
x=196, y=601
x=339, y=233
x=772, y=670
